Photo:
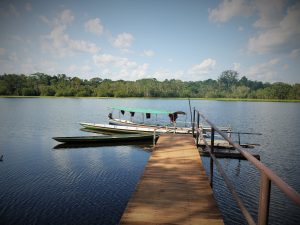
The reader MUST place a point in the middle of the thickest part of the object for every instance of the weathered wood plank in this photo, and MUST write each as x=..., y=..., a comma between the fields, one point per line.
x=174, y=188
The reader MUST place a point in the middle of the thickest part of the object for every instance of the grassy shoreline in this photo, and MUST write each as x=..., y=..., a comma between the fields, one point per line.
x=207, y=99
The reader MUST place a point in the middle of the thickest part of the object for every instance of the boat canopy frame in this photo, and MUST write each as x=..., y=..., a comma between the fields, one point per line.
x=147, y=110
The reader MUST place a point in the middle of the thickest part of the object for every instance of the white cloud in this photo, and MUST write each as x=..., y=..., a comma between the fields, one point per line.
x=228, y=9
x=123, y=41
x=86, y=69
x=82, y=46
x=294, y=53
x=103, y=60
x=58, y=41
x=13, y=57
x=236, y=66
x=63, y=19
x=139, y=71
x=48, y=66
x=284, y=37
x=28, y=7
x=94, y=26
x=148, y=53
x=106, y=60
x=266, y=71
x=45, y=20
x=205, y=67
x=66, y=17
x=270, y=14
x=79, y=69
x=27, y=65
x=240, y=28
x=162, y=74
x=120, y=68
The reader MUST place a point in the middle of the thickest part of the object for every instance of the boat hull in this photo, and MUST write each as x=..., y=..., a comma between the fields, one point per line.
x=105, y=139
x=132, y=129
x=188, y=130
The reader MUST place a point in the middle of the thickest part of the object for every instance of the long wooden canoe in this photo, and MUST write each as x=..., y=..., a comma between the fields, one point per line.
x=132, y=129
x=105, y=138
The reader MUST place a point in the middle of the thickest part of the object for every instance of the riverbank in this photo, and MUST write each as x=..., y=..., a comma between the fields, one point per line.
x=207, y=99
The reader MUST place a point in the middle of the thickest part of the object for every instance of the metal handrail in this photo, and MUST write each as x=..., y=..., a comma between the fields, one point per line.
x=267, y=175
x=240, y=203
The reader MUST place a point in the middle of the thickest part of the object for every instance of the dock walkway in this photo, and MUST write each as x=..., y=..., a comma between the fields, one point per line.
x=174, y=188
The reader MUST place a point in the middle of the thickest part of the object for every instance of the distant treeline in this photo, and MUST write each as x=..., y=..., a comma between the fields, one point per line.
x=228, y=85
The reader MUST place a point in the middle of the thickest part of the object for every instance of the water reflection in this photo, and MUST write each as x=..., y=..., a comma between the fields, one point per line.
x=92, y=184
x=62, y=161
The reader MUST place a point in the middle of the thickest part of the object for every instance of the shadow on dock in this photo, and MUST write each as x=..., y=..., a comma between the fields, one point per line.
x=174, y=188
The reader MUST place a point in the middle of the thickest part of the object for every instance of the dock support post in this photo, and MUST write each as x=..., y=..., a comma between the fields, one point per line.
x=212, y=143
x=154, y=137
x=264, y=199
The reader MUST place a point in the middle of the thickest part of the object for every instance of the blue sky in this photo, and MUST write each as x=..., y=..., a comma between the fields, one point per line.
x=129, y=40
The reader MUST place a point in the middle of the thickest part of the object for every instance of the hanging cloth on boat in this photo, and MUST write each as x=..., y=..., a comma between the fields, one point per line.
x=148, y=115
x=173, y=117
x=123, y=112
x=132, y=114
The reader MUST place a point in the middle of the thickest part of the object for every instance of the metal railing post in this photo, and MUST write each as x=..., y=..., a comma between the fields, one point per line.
x=267, y=176
x=264, y=199
x=212, y=143
x=198, y=119
x=154, y=137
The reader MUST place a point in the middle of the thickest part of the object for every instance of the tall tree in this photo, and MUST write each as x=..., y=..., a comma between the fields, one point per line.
x=228, y=78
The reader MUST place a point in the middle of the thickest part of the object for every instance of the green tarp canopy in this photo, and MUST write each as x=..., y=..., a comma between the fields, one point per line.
x=147, y=110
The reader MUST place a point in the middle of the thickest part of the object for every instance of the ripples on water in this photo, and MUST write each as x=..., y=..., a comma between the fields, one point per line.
x=42, y=185
x=82, y=186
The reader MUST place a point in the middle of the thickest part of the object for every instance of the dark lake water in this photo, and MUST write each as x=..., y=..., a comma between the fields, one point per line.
x=43, y=185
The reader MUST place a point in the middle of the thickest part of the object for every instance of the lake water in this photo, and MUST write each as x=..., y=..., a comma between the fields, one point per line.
x=43, y=185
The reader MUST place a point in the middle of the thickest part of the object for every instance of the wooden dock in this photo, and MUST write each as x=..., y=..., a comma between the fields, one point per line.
x=174, y=188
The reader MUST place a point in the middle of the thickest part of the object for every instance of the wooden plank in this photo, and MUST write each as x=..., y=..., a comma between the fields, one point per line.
x=174, y=188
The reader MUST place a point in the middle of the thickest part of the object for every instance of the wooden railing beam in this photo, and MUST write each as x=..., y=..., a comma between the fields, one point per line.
x=283, y=186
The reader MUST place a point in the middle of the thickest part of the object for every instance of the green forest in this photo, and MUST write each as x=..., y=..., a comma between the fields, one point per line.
x=228, y=85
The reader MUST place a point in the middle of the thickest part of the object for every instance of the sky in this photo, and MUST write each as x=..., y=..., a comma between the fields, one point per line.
x=188, y=40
